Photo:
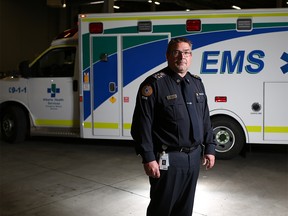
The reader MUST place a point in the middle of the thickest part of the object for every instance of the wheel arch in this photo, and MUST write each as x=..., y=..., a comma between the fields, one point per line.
x=232, y=116
x=8, y=104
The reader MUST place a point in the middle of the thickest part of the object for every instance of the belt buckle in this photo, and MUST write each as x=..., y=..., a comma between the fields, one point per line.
x=185, y=149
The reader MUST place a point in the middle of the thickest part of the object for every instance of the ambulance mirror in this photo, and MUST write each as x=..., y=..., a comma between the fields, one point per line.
x=24, y=69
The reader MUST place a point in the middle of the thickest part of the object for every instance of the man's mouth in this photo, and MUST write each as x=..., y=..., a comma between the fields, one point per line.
x=181, y=62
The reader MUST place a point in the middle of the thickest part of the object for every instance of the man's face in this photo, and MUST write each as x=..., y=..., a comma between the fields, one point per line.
x=180, y=57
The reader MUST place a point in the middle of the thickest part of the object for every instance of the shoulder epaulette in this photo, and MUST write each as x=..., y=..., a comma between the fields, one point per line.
x=196, y=76
x=159, y=75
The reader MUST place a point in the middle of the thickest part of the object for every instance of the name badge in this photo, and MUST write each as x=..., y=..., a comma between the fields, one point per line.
x=171, y=97
x=164, y=161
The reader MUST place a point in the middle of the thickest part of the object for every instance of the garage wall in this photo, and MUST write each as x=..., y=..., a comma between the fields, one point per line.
x=26, y=29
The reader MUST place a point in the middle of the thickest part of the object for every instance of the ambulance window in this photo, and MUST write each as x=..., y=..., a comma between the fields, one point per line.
x=56, y=63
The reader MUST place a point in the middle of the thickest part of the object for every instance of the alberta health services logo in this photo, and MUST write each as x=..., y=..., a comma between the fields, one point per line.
x=52, y=102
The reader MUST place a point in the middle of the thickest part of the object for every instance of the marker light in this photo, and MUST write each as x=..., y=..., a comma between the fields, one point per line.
x=96, y=28
x=244, y=24
x=220, y=99
x=144, y=26
x=193, y=25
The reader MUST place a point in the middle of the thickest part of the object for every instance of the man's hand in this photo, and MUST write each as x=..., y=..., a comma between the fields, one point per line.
x=152, y=169
x=208, y=161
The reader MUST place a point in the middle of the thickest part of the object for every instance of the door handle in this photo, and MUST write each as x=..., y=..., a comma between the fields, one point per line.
x=112, y=87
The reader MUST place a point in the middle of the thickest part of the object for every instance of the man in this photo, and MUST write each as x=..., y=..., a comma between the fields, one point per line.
x=170, y=124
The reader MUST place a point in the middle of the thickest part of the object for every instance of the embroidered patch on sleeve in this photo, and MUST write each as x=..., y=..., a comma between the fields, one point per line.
x=147, y=90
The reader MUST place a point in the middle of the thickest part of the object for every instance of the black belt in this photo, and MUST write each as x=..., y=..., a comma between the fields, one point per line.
x=181, y=149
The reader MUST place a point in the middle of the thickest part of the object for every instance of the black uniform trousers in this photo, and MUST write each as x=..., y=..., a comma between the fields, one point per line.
x=173, y=193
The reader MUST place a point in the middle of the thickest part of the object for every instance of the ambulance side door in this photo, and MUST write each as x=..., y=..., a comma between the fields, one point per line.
x=105, y=90
x=52, y=97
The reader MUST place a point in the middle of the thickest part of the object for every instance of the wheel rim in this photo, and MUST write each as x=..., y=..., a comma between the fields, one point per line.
x=7, y=126
x=224, y=138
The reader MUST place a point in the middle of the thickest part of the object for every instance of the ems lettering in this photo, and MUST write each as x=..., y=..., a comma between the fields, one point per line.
x=214, y=62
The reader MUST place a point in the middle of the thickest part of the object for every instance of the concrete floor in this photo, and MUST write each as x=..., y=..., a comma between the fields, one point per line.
x=74, y=177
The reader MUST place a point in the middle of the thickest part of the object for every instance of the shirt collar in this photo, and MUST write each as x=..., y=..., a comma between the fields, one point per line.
x=176, y=77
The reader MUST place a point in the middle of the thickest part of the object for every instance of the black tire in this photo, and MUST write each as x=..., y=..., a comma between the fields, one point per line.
x=229, y=137
x=14, y=124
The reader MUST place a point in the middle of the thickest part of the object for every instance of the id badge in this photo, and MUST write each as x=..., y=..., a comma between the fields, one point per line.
x=164, y=161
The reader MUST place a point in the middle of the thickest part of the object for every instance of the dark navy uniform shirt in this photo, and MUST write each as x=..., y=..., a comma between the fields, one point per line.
x=161, y=117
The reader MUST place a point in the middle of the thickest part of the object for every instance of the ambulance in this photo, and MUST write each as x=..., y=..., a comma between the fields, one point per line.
x=85, y=84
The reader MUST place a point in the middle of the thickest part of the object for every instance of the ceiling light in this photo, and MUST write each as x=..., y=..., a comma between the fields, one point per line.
x=97, y=2
x=157, y=3
x=150, y=1
x=236, y=7
x=64, y=3
x=116, y=7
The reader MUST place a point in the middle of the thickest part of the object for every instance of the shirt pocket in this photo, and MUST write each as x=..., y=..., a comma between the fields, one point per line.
x=200, y=97
x=174, y=109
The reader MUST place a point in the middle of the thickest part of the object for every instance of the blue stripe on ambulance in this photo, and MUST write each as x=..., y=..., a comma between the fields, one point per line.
x=103, y=75
x=134, y=63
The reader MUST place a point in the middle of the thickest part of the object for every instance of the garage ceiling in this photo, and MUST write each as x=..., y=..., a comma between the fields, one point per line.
x=178, y=5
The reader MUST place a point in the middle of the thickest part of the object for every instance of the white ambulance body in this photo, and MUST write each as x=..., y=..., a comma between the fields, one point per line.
x=85, y=84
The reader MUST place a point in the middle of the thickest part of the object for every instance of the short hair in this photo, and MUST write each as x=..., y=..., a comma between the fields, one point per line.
x=175, y=41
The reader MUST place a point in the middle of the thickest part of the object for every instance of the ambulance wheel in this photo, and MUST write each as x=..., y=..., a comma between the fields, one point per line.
x=14, y=124
x=229, y=137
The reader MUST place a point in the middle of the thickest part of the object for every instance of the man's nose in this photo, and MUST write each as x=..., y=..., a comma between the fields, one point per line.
x=181, y=55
